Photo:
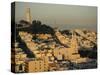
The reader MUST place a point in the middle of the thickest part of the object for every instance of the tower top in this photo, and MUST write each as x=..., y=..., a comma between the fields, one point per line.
x=28, y=15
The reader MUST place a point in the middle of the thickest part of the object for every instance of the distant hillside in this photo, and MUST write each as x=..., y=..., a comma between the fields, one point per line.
x=36, y=27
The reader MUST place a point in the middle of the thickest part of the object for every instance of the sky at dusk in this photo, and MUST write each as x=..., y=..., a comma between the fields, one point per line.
x=58, y=15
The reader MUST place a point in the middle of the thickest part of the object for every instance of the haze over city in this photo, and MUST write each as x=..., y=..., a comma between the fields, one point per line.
x=61, y=16
x=52, y=37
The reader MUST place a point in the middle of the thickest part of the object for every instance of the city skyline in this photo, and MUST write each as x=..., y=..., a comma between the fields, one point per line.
x=61, y=16
x=52, y=37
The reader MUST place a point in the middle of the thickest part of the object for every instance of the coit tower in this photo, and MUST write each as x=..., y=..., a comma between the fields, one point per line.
x=28, y=15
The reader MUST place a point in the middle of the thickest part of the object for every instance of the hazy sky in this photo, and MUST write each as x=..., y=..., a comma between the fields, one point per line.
x=62, y=16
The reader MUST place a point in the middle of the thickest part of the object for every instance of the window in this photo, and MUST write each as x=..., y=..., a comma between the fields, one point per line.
x=20, y=67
